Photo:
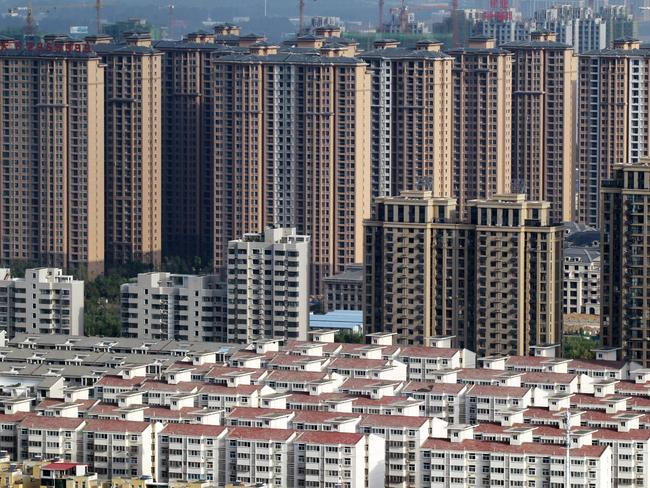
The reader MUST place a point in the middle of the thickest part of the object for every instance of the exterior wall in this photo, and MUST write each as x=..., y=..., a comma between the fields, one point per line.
x=581, y=286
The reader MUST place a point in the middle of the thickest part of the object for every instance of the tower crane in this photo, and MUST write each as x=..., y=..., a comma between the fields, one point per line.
x=30, y=27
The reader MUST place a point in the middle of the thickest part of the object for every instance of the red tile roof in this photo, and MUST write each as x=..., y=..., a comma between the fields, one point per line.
x=295, y=376
x=428, y=352
x=253, y=413
x=393, y=421
x=596, y=365
x=499, y=447
x=60, y=466
x=254, y=433
x=230, y=390
x=329, y=438
x=498, y=391
x=319, y=417
x=42, y=422
x=121, y=426
x=112, y=380
x=432, y=387
x=181, y=387
x=357, y=363
x=367, y=383
x=383, y=401
x=548, y=378
x=194, y=430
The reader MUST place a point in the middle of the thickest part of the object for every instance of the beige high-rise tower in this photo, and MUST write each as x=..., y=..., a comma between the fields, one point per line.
x=52, y=173
x=411, y=113
x=543, y=85
x=292, y=139
x=493, y=280
x=133, y=150
x=482, y=120
x=613, y=118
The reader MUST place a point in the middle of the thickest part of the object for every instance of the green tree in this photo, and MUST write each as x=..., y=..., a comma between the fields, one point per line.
x=579, y=346
x=349, y=336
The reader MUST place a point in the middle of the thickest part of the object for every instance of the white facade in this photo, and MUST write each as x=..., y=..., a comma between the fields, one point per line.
x=582, y=281
x=163, y=306
x=45, y=301
x=268, y=286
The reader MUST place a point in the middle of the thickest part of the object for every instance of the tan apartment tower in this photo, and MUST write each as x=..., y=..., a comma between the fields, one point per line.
x=613, y=125
x=493, y=280
x=187, y=148
x=543, y=85
x=292, y=149
x=411, y=115
x=51, y=128
x=482, y=120
x=133, y=141
x=625, y=259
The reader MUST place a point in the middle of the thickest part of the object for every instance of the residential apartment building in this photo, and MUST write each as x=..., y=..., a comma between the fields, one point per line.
x=51, y=131
x=292, y=149
x=187, y=150
x=493, y=280
x=582, y=280
x=174, y=306
x=133, y=139
x=344, y=291
x=625, y=265
x=576, y=26
x=45, y=301
x=612, y=118
x=268, y=286
x=543, y=80
x=482, y=118
x=411, y=117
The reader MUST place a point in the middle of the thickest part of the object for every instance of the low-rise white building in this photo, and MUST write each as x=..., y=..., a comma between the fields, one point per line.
x=45, y=301
x=163, y=306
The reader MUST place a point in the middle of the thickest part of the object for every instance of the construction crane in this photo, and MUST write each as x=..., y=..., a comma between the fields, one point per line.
x=30, y=27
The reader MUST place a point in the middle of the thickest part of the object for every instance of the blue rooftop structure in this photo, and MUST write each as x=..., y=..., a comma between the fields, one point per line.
x=337, y=319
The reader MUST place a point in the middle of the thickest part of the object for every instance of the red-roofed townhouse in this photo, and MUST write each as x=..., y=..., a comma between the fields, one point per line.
x=50, y=438
x=269, y=418
x=379, y=369
x=191, y=453
x=486, y=403
x=9, y=433
x=339, y=459
x=402, y=438
x=310, y=382
x=256, y=455
x=108, y=387
x=225, y=398
x=441, y=400
x=121, y=448
x=423, y=363
x=388, y=405
x=325, y=421
x=471, y=462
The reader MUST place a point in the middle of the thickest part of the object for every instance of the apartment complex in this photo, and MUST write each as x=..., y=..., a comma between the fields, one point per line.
x=45, y=301
x=51, y=128
x=493, y=280
x=411, y=117
x=612, y=118
x=292, y=148
x=625, y=264
x=133, y=138
x=163, y=306
x=482, y=116
x=576, y=26
x=268, y=286
x=543, y=78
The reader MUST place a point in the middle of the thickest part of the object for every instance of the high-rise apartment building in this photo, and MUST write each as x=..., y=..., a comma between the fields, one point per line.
x=411, y=115
x=493, y=280
x=268, y=286
x=613, y=120
x=163, y=306
x=187, y=148
x=133, y=141
x=51, y=128
x=543, y=80
x=482, y=121
x=576, y=26
x=45, y=301
x=292, y=148
x=625, y=261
